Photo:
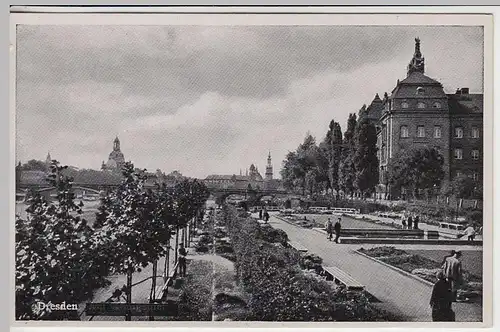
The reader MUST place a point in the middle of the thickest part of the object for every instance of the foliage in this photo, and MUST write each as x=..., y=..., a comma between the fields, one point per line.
x=333, y=148
x=195, y=299
x=365, y=158
x=279, y=290
x=463, y=187
x=382, y=251
x=347, y=170
x=54, y=244
x=35, y=165
x=417, y=168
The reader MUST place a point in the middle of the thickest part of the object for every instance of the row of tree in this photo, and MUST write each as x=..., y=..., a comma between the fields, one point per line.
x=59, y=257
x=345, y=163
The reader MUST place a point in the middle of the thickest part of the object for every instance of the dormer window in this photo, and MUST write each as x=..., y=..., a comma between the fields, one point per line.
x=437, y=105
x=420, y=90
x=404, y=104
x=420, y=105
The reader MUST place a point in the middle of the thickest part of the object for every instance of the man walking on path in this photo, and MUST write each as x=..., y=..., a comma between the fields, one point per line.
x=403, y=220
x=182, y=259
x=260, y=214
x=410, y=222
x=452, y=270
x=441, y=300
x=329, y=229
x=337, y=230
x=416, y=220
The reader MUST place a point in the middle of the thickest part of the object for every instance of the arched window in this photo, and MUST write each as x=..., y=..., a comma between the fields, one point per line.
x=437, y=105
x=404, y=104
x=404, y=131
x=420, y=90
x=420, y=105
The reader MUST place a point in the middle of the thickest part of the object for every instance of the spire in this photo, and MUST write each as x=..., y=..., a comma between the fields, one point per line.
x=377, y=97
x=116, y=144
x=417, y=62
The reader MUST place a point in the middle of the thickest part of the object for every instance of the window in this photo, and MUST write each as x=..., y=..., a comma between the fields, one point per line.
x=404, y=104
x=437, y=105
x=420, y=90
x=437, y=131
x=404, y=131
x=420, y=105
x=458, y=174
x=475, y=176
x=459, y=132
x=458, y=153
x=475, y=132
x=420, y=131
x=475, y=154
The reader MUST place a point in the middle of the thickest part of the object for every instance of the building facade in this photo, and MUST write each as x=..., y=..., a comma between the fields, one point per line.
x=115, y=159
x=251, y=180
x=418, y=113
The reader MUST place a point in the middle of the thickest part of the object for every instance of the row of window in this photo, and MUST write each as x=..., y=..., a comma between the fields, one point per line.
x=459, y=154
x=421, y=105
x=458, y=133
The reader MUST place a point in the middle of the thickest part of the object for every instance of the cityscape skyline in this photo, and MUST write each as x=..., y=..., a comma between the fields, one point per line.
x=270, y=104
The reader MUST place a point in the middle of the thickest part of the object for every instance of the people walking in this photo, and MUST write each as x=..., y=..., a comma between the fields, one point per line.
x=410, y=222
x=266, y=216
x=416, y=220
x=337, y=228
x=452, y=270
x=182, y=253
x=260, y=214
x=403, y=220
x=441, y=300
x=329, y=229
x=470, y=232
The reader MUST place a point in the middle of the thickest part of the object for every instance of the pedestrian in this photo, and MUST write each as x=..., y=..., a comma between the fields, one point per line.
x=182, y=253
x=470, y=232
x=260, y=214
x=449, y=255
x=266, y=216
x=441, y=300
x=337, y=230
x=403, y=220
x=329, y=229
x=416, y=220
x=410, y=222
x=452, y=269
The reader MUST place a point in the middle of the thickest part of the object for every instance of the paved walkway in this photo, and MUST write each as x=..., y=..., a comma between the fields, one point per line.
x=400, y=294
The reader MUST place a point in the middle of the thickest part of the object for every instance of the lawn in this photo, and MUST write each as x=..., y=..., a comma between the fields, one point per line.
x=472, y=261
x=347, y=222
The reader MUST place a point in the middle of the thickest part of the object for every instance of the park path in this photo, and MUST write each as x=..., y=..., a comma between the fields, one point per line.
x=402, y=295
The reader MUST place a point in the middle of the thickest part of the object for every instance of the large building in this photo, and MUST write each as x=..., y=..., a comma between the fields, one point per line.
x=252, y=179
x=418, y=113
x=115, y=159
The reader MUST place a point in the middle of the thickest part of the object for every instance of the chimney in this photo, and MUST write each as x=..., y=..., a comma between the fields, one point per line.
x=464, y=91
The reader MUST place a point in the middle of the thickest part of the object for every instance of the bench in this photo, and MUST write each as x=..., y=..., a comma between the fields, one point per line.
x=297, y=246
x=338, y=276
x=160, y=291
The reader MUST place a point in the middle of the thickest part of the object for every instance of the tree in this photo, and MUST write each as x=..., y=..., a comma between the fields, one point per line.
x=417, y=169
x=35, y=165
x=365, y=158
x=347, y=170
x=463, y=187
x=54, y=244
x=333, y=147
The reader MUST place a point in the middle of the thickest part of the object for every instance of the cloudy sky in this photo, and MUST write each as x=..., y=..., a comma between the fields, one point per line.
x=206, y=100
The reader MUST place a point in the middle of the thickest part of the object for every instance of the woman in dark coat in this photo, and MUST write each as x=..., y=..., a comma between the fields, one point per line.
x=441, y=300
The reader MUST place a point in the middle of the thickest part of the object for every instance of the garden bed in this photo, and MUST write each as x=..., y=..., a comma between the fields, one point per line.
x=424, y=268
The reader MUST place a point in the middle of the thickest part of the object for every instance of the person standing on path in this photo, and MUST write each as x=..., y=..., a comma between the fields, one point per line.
x=416, y=220
x=441, y=300
x=266, y=216
x=403, y=220
x=182, y=253
x=329, y=229
x=470, y=232
x=260, y=214
x=337, y=230
x=410, y=222
x=452, y=270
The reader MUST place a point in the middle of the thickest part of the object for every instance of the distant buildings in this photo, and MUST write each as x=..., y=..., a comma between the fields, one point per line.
x=115, y=159
x=419, y=113
x=251, y=180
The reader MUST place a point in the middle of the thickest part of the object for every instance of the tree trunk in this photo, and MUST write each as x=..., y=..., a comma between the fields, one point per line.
x=128, y=316
x=176, y=244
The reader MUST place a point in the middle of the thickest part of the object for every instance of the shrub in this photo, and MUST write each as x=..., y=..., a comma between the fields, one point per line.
x=195, y=299
x=382, y=251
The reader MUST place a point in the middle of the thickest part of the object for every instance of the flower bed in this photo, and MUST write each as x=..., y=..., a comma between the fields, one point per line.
x=424, y=268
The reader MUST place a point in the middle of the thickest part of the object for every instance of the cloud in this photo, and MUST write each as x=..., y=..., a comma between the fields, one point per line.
x=213, y=99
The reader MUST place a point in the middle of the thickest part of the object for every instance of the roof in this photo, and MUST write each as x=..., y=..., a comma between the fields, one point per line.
x=407, y=88
x=419, y=78
x=33, y=178
x=465, y=104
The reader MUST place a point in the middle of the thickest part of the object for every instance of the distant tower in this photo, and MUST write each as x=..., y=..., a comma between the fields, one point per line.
x=48, y=160
x=269, y=168
x=417, y=63
x=115, y=159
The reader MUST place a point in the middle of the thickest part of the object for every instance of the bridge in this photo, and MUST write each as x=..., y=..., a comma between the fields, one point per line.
x=256, y=194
